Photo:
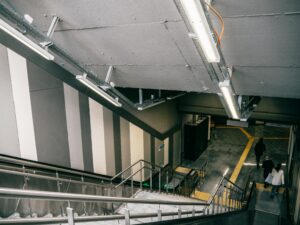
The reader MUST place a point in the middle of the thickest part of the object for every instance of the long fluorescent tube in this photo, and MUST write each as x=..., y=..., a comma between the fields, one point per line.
x=83, y=79
x=198, y=21
x=229, y=98
x=25, y=40
x=149, y=105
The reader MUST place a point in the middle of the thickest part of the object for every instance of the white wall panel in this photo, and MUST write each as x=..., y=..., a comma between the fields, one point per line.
x=136, y=146
x=74, y=127
x=98, y=138
x=21, y=96
x=166, y=151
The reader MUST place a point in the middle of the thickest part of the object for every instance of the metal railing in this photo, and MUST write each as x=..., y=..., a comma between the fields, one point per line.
x=227, y=197
x=71, y=219
x=143, y=166
x=29, y=165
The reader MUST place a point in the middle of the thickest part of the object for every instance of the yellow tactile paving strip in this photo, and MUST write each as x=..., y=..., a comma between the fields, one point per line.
x=201, y=195
x=243, y=157
x=183, y=170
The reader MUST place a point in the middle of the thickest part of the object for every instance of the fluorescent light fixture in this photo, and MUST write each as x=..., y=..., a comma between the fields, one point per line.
x=195, y=14
x=149, y=105
x=25, y=40
x=83, y=79
x=228, y=95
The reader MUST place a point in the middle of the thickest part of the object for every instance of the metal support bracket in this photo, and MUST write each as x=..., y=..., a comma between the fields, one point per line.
x=108, y=74
x=52, y=27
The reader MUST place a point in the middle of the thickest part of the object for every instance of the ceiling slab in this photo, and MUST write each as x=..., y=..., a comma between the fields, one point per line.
x=272, y=82
x=256, y=7
x=262, y=41
x=78, y=14
x=159, y=77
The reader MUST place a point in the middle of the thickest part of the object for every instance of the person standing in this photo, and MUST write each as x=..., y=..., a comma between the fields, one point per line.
x=278, y=179
x=268, y=166
x=259, y=149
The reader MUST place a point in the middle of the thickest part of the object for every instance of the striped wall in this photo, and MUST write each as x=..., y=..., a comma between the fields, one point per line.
x=48, y=121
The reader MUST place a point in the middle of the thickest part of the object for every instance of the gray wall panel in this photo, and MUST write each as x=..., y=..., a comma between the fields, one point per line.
x=117, y=143
x=86, y=132
x=125, y=143
x=9, y=142
x=48, y=109
x=159, y=153
x=177, y=148
x=109, y=141
x=147, y=150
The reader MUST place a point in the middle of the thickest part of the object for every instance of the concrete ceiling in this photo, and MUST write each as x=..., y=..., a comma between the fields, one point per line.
x=147, y=42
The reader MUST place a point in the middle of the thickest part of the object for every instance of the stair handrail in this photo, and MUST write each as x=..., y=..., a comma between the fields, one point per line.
x=59, y=196
x=132, y=175
x=46, y=177
x=129, y=167
x=217, y=189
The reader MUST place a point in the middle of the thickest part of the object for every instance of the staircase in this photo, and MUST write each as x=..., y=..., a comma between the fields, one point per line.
x=65, y=196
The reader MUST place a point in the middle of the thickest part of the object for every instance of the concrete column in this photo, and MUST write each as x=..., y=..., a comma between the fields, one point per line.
x=23, y=110
x=74, y=127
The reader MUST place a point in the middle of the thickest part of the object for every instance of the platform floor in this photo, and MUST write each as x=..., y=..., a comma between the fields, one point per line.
x=233, y=148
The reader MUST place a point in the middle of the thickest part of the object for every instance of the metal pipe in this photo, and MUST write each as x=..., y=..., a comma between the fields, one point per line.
x=48, y=167
x=45, y=195
x=45, y=177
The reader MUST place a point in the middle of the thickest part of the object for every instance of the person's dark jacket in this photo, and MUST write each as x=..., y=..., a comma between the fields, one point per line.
x=259, y=148
x=268, y=165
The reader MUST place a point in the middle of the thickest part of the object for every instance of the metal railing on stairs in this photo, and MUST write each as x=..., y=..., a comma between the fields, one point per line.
x=143, y=166
x=226, y=198
x=71, y=219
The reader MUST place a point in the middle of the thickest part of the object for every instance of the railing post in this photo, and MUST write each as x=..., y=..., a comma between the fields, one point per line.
x=213, y=205
x=127, y=216
x=193, y=212
x=159, y=180
x=179, y=212
x=167, y=181
x=131, y=186
x=58, y=189
x=84, y=203
x=151, y=179
x=159, y=215
x=226, y=199
x=70, y=214
x=141, y=175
